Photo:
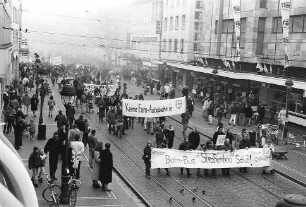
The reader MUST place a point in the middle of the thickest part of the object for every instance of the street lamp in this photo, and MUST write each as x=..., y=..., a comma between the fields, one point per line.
x=68, y=94
x=42, y=92
x=214, y=72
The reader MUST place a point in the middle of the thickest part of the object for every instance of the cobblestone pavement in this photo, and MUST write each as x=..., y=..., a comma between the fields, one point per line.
x=293, y=168
x=240, y=189
x=121, y=194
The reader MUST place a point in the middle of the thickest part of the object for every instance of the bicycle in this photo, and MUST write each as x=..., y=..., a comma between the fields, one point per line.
x=52, y=192
x=73, y=186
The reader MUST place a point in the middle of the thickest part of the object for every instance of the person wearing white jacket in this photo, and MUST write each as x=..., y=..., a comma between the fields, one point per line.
x=77, y=147
x=205, y=107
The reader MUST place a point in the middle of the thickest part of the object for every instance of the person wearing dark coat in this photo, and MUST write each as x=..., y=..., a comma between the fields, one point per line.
x=80, y=123
x=248, y=114
x=147, y=157
x=169, y=134
x=194, y=139
x=53, y=146
x=227, y=147
x=185, y=146
x=70, y=112
x=185, y=91
x=34, y=104
x=60, y=119
x=159, y=136
x=102, y=107
x=106, y=167
x=18, y=130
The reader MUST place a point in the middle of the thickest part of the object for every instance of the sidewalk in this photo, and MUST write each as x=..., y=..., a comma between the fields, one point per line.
x=87, y=195
x=293, y=168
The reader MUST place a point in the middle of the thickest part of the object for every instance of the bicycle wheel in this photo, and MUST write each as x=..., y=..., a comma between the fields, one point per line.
x=72, y=197
x=47, y=193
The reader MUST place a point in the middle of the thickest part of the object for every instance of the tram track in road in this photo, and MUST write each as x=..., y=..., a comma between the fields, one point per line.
x=174, y=199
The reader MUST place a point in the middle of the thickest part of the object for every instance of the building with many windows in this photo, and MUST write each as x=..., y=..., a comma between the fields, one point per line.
x=198, y=38
x=145, y=31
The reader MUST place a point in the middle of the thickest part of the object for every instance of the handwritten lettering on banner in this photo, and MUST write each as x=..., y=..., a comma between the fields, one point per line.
x=154, y=108
x=169, y=158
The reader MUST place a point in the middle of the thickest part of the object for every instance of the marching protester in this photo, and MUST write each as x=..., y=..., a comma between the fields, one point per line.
x=159, y=135
x=185, y=119
x=194, y=139
x=244, y=144
x=147, y=157
x=227, y=147
x=185, y=146
x=164, y=145
x=106, y=167
x=169, y=134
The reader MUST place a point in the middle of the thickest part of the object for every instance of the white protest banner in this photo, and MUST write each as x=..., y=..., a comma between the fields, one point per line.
x=220, y=140
x=169, y=158
x=154, y=108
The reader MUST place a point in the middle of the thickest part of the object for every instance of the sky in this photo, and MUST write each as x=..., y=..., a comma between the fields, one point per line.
x=47, y=19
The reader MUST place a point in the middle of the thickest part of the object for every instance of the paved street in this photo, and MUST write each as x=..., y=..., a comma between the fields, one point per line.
x=240, y=189
x=121, y=195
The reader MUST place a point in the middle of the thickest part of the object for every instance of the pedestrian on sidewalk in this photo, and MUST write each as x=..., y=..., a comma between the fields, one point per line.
x=32, y=129
x=194, y=139
x=249, y=114
x=77, y=147
x=147, y=157
x=220, y=113
x=34, y=104
x=60, y=120
x=26, y=101
x=190, y=105
x=233, y=109
x=72, y=132
x=53, y=147
x=102, y=107
x=111, y=119
x=96, y=161
x=210, y=113
x=51, y=104
x=185, y=146
x=19, y=127
x=34, y=164
x=70, y=112
x=25, y=83
x=92, y=142
x=205, y=108
x=106, y=167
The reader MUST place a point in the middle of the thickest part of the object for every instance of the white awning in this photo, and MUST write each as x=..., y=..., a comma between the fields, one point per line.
x=242, y=76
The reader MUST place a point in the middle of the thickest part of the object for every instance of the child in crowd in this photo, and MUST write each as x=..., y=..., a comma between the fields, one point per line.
x=32, y=129
x=34, y=165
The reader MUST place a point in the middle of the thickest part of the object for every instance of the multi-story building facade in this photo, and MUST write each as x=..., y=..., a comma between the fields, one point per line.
x=145, y=31
x=10, y=35
x=198, y=37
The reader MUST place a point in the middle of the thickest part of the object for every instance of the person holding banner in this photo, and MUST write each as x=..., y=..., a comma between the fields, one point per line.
x=147, y=158
x=194, y=139
x=185, y=146
x=217, y=133
x=163, y=146
x=244, y=144
x=227, y=146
